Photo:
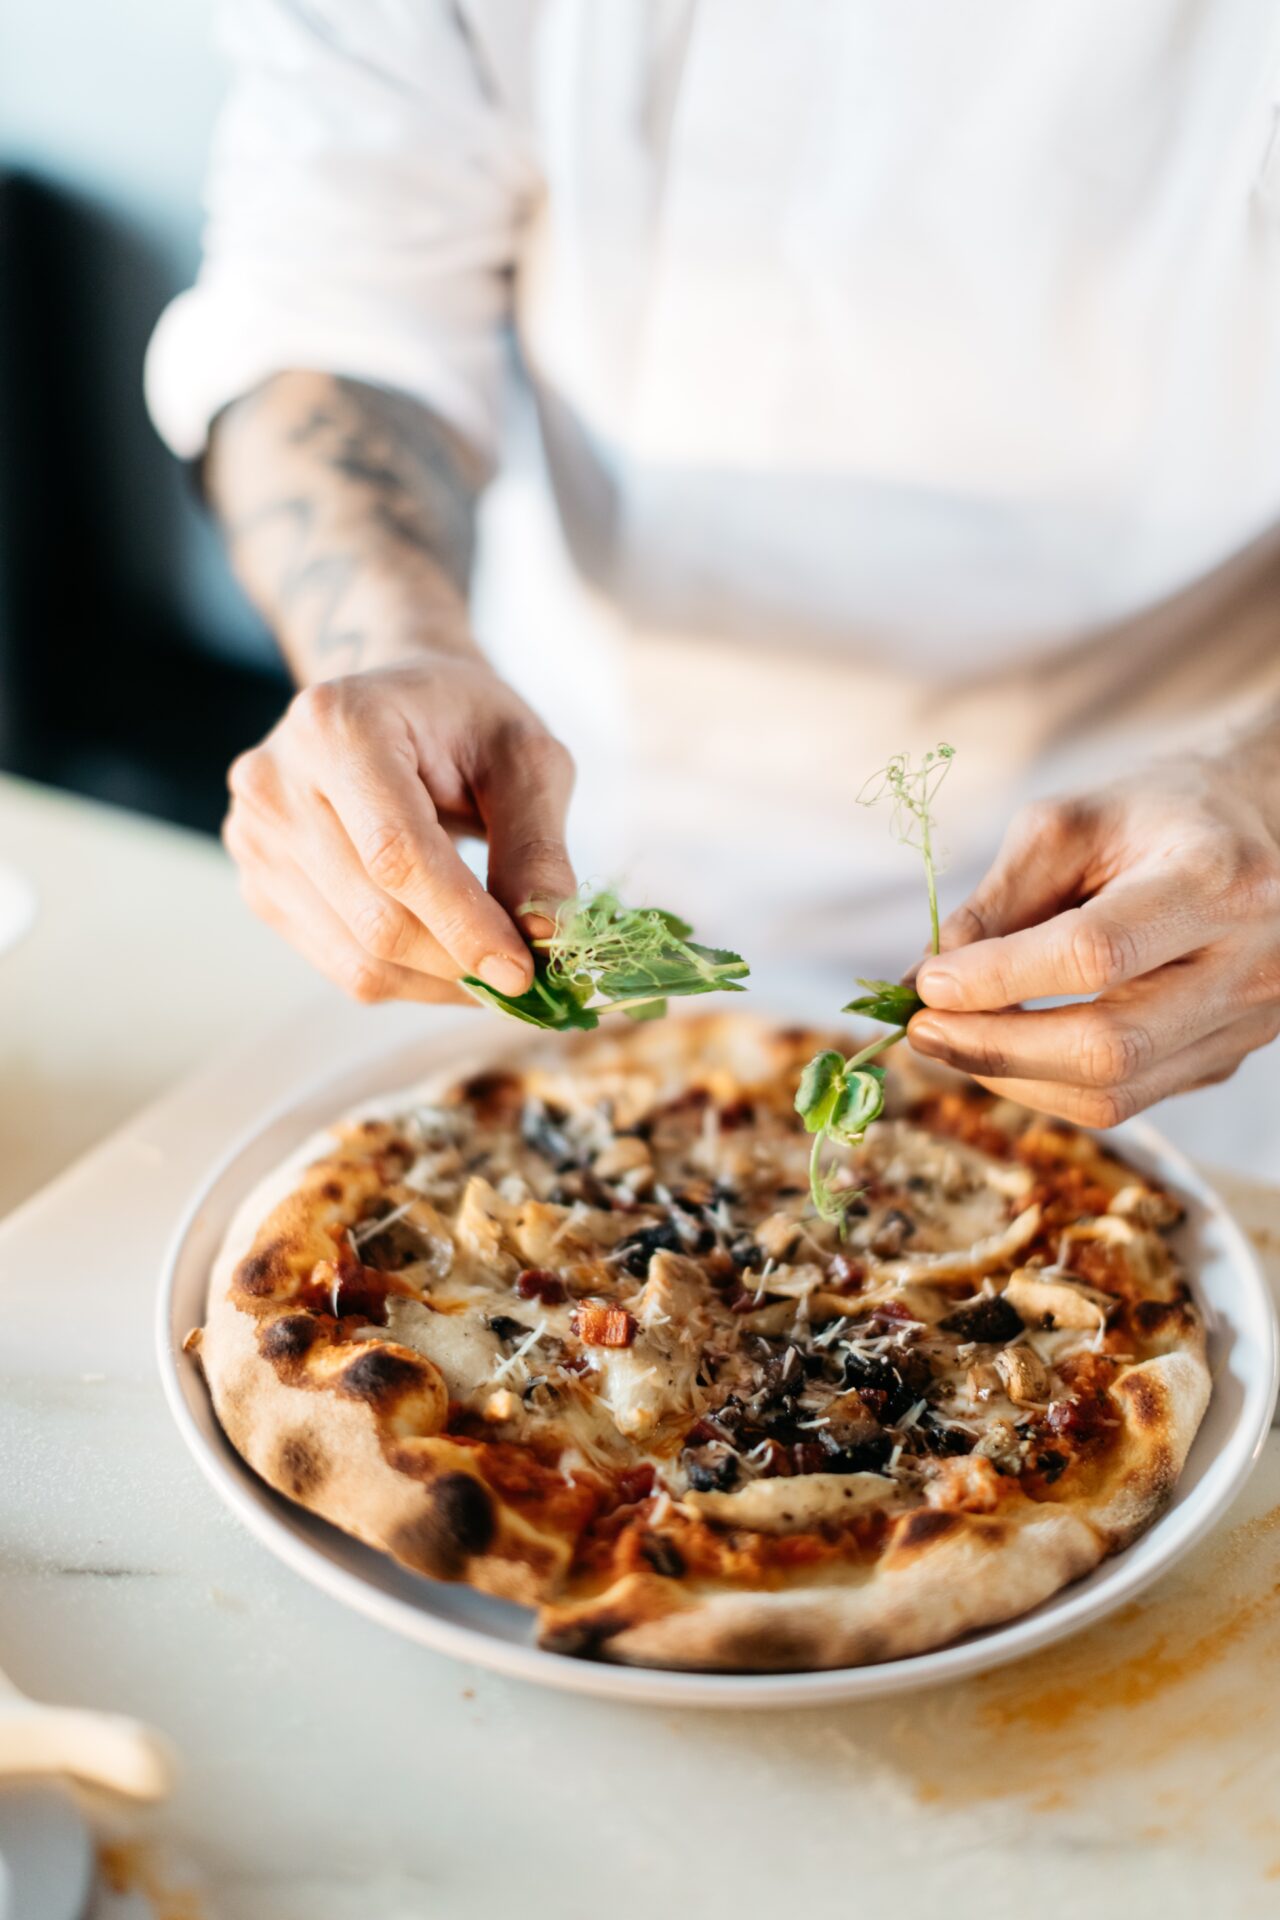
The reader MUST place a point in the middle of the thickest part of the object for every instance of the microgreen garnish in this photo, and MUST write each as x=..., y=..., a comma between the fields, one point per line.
x=837, y=1099
x=602, y=957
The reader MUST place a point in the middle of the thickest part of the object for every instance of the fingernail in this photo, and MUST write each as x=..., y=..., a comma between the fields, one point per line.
x=938, y=987
x=927, y=1034
x=502, y=974
x=538, y=927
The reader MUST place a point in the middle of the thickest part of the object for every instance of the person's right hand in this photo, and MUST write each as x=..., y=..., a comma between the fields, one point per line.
x=341, y=823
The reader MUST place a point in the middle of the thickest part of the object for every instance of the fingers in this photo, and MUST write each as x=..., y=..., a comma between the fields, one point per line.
x=1210, y=1059
x=523, y=797
x=286, y=900
x=1099, y=1043
x=379, y=924
x=1130, y=928
x=377, y=791
x=351, y=792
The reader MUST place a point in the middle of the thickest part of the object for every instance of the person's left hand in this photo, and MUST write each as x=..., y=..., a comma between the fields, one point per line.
x=1161, y=896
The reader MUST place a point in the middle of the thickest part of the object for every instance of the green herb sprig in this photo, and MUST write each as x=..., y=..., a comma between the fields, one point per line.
x=602, y=957
x=837, y=1099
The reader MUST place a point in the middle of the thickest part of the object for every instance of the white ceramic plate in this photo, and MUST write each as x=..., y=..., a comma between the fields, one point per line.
x=1242, y=1351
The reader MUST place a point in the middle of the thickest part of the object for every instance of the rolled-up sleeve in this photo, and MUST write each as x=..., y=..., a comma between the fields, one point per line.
x=366, y=195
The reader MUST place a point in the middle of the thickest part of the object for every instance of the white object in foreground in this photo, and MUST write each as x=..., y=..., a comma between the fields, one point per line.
x=102, y=1749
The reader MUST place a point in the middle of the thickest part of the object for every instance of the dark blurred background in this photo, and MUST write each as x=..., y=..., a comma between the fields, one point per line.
x=131, y=667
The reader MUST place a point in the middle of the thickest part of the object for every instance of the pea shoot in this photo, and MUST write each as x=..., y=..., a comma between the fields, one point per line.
x=837, y=1099
x=602, y=957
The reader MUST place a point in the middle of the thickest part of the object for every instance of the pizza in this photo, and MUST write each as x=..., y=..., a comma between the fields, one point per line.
x=564, y=1326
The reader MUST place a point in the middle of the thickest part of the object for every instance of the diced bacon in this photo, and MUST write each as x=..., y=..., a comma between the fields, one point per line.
x=846, y=1274
x=539, y=1283
x=598, y=1325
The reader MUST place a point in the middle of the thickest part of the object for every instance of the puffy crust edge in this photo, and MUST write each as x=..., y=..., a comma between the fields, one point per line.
x=950, y=1576
x=422, y=1499
x=944, y=1575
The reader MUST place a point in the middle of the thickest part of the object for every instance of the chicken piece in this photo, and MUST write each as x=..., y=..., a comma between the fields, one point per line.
x=478, y=1227
x=850, y=1420
x=1146, y=1206
x=985, y=1256
x=777, y=1235
x=627, y=1159
x=1141, y=1250
x=793, y=1503
x=983, y=1381
x=788, y=1283
x=967, y=1483
x=1048, y=1297
x=1001, y=1444
x=673, y=1296
x=1025, y=1375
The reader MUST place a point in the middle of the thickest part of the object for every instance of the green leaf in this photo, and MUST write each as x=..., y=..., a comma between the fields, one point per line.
x=859, y=1100
x=819, y=1089
x=603, y=957
x=888, y=1001
x=552, y=1006
x=685, y=970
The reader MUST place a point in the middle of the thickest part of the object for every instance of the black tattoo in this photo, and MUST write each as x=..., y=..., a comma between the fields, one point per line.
x=422, y=481
x=328, y=575
x=405, y=474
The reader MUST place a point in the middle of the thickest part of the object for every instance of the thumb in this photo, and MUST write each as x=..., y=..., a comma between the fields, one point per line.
x=1039, y=870
x=523, y=799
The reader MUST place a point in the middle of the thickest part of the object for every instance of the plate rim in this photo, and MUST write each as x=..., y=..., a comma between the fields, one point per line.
x=254, y=1503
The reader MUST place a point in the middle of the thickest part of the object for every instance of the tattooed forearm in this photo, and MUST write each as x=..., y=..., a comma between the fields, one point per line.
x=349, y=514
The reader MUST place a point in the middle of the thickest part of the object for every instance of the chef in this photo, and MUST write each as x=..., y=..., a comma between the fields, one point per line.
x=726, y=394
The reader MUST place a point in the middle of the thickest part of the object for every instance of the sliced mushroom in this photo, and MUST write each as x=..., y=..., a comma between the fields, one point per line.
x=1047, y=1297
x=1024, y=1374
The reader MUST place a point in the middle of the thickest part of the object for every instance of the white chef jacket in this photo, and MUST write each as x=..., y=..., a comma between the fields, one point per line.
x=904, y=369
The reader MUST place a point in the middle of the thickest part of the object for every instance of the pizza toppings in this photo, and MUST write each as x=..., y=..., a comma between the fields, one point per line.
x=599, y=1325
x=1024, y=1375
x=539, y=1283
x=1048, y=1297
x=990, y=1317
x=623, y=1303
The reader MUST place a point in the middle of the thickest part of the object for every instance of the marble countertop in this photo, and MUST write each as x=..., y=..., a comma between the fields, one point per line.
x=333, y=1772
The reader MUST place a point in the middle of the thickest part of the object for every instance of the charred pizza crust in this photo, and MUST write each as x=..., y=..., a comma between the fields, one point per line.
x=567, y=1331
